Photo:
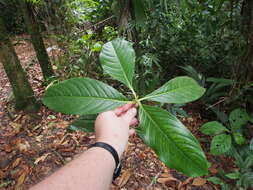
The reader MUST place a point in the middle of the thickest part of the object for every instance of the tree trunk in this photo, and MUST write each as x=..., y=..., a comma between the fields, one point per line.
x=247, y=29
x=24, y=96
x=125, y=15
x=37, y=41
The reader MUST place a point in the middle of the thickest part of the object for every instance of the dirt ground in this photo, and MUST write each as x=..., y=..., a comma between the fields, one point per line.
x=34, y=146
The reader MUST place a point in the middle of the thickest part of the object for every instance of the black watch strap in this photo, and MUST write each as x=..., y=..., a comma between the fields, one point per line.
x=115, y=155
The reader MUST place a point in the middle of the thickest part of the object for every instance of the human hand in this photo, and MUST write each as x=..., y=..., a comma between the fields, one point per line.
x=112, y=127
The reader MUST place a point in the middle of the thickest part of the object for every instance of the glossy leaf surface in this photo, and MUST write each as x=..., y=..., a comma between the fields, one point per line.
x=82, y=96
x=118, y=60
x=221, y=144
x=178, y=90
x=213, y=128
x=173, y=143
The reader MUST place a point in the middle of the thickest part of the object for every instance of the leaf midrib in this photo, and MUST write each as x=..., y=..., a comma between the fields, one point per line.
x=160, y=94
x=168, y=136
x=91, y=97
x=124, y=74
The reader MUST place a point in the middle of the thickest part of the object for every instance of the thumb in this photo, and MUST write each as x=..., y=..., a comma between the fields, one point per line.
x=129, y=115
x=131, y=132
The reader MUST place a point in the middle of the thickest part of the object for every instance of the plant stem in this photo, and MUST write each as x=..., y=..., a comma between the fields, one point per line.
x=139, y=103
x=134, y=93
x=144, y=98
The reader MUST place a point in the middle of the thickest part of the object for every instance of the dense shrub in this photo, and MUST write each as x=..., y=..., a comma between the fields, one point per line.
x=204, y=35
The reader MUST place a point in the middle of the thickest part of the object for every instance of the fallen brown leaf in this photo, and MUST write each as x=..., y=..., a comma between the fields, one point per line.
x=22, y=145
x=62, y=124
x=17, y=127
x=8, y=148
x=59, y=142
x=213, y=171
x=20, y=181
x=199, y=181
x=1, y=174
x=16, y=162
x=187, y=181
x=166, y=179
x=41, y=159
x=125, y=177
x=17, y=118
x=39, y=138
x=207, y=187
x=142, y=156
x=165, y=175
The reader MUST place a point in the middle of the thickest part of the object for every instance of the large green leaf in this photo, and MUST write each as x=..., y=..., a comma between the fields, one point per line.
x=238, y=118
x=178, y=90
x=213, y=128
x=82, y=96
x=173, y=143
x=118, y=60
x=85, y=123
x=221, y=144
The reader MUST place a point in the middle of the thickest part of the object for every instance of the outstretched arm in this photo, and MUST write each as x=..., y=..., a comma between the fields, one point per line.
x=93, y=169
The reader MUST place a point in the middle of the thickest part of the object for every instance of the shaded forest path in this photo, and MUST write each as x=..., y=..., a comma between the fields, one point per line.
x=33, y=147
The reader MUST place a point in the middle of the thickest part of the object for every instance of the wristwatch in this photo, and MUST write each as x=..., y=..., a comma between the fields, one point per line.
x=115, y=155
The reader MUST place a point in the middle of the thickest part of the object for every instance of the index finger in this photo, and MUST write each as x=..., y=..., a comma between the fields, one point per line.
x=118, y=111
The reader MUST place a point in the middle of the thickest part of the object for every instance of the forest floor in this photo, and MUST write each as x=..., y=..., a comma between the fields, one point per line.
x=34, y=146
